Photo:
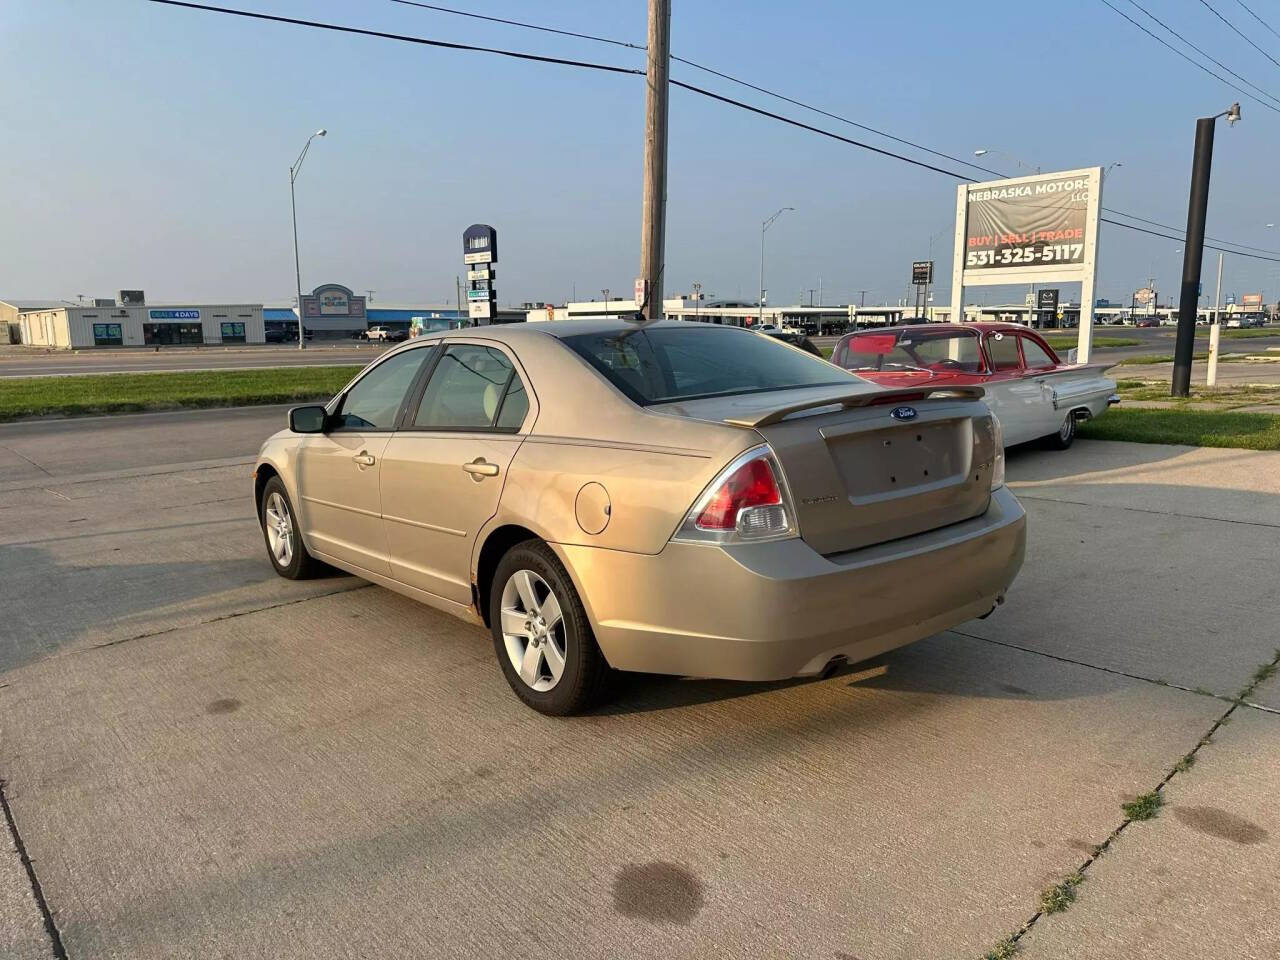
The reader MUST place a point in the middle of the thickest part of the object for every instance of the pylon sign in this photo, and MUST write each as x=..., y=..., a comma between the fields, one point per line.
x=479, y=254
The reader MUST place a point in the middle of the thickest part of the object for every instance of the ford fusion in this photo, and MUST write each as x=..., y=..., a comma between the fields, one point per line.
x=666, y=497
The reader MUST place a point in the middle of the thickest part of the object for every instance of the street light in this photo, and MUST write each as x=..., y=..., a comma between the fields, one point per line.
x=297, y=270
x=1197, y=211
x=697, y=298
x=605, y=294
x=763, y=227
x=984, y=152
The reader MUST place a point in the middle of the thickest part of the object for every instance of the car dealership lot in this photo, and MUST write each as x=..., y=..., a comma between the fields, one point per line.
x=204, y=760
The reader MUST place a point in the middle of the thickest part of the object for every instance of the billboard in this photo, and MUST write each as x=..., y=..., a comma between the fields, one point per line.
x=922, y=272
x=1251, y=300
x=1028, y=230
x=132, y=298
x=1012, y=225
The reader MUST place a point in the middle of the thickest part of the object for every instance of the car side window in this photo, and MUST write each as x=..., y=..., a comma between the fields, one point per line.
x=374, y=401
x=1003, y=349
x=472, y=388
x=1035, y=354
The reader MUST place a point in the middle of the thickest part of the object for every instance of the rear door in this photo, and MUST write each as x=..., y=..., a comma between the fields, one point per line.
x=338, y=471
x=444, y=469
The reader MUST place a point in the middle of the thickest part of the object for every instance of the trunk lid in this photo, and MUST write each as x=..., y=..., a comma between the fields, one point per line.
x=858, y=474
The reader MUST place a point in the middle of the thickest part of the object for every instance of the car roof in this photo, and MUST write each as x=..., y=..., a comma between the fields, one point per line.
x=980, y=326
x=513, y=332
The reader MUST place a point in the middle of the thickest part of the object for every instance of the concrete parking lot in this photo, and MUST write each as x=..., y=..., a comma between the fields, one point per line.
x=202, y=760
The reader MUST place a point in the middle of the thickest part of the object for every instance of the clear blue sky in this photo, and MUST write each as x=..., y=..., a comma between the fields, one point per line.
x=147, y=146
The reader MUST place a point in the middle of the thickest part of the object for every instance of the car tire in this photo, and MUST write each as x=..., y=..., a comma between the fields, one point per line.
x=1066, y=434
x=280, y=530
x=566, y=673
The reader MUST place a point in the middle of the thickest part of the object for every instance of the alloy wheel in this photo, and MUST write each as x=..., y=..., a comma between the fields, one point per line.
x=533, y=630
x=279, y=527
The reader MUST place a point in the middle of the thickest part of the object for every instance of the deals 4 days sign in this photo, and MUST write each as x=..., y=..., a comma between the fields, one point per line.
x=1047, y=223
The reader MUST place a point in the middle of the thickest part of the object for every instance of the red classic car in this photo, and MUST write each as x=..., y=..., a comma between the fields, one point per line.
x=1031, y=391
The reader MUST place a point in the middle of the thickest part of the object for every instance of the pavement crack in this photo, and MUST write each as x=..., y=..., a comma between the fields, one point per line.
x=37, y=892
x=1200, y=692
x=219, y=619
x=1022, y=495
x=1184, y=763
x=20, y=456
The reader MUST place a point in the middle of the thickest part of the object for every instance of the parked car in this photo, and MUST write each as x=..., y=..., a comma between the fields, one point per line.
x=795, y=338
x=1147, y=322
x=667, y=497
x=275, y=335
x=1032, y=391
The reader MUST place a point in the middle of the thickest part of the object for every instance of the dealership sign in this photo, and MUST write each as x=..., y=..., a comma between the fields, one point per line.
x=174, y=314
x=1037, y=229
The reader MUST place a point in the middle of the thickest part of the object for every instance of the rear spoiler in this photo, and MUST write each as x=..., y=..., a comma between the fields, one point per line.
x=875, y=398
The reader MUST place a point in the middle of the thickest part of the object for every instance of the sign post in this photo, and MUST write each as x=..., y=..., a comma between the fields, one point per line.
x=479, y=254
x=921, y=277
x=1037, y=229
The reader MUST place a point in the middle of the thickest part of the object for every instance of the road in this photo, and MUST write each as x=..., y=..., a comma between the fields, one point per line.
x=24, y=362
x=201, y=759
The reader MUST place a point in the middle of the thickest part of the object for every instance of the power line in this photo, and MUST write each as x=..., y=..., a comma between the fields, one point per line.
x=1245, y=37
x=806, y=106
x=698, y=66
x=520, y=23
x=1195, y=63
x=538, y=58
x=403, y=38
x=1202, y=52
x=1258, y=18
x=1169, y=226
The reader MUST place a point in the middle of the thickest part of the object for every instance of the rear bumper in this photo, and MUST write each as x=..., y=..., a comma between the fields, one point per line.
x=775, y=610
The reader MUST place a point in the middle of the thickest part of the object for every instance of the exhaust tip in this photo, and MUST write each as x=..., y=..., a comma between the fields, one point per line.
x=999, y=601
x=834, y=664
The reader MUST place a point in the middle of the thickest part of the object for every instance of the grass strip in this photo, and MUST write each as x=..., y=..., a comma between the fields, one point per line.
x=1196, y=428
x=78, y=396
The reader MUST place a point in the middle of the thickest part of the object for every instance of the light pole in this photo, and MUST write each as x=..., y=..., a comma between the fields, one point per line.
x=297, y=270
x=763, y=227
x=1197, y=210
x=697, y=299
x=605, y=294
x=984, y=152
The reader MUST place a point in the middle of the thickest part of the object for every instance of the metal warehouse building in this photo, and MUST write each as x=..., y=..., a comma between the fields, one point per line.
x=110, y=324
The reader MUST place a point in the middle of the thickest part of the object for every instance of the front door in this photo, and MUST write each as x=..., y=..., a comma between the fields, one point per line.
x=443, y=471
x=338, y=470
x=1014, y=398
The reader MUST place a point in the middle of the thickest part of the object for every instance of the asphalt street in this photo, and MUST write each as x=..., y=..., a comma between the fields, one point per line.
x=26, y=362
x=202, y=760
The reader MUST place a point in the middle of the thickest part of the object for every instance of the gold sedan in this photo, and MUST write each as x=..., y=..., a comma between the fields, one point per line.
x=665, y=497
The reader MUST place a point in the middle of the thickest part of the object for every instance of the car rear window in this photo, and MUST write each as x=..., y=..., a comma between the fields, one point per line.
x=664, y=364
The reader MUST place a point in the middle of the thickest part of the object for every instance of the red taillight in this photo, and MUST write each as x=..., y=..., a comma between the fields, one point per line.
x=751, y=485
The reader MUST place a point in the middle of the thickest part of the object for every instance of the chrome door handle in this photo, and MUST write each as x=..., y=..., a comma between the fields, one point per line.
x=479, y=468
x=365, y=459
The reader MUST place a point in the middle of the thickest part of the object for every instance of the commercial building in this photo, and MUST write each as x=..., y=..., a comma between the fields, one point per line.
x=110, y=323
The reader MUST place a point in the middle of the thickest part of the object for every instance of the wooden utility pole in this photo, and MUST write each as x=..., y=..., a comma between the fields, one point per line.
x=654, y=227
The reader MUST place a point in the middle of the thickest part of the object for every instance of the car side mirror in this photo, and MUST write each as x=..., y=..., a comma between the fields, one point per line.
x=309, y=419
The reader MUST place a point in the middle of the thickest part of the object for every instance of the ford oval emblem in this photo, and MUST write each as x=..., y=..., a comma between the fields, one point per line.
x=903, y=413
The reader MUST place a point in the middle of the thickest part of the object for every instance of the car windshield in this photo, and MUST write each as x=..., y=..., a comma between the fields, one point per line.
x=663, y=364
x=905, y=349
